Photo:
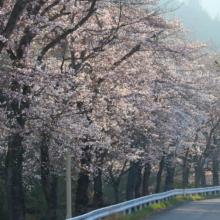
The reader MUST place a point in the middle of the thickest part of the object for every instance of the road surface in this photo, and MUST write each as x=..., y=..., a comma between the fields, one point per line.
x=193, y=210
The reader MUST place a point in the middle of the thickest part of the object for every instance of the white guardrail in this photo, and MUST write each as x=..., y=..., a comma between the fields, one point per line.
x=137, y=204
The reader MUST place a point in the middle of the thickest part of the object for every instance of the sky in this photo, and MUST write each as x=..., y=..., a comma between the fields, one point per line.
x=199, y=16
x=211, y=6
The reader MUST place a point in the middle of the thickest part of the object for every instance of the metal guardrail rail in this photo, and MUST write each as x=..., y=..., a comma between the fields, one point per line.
x=137, y=204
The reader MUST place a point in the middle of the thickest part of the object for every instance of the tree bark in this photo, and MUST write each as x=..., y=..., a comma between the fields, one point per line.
x=203, y=178
x=98, y=200
x=116, y=188
x=82, y=198
x=138, y=181
x=13, y=178
x=185, y=176
x=215, y=165
x=147, y=171
x=49, y=182
x=159, y=175
x=14, y=156
x=169, y=177
x=200, y=179
x=197, y=176
x=115, y=185
x=131, y=181
x=116, y=181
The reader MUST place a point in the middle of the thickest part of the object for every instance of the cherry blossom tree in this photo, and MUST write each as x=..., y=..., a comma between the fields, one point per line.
x=102, y=78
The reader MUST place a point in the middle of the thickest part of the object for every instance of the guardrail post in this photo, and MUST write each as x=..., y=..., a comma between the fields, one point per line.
x=154, y=202
x=215, y=192
x=129, y=211
x=68, y=186
x=167, y=199
x=159, y=201
x=140, y=207
x=210, y=193
x=145, y=205
x=135, y=208
x=124, y=212
x=149, y=203
x=184, y=192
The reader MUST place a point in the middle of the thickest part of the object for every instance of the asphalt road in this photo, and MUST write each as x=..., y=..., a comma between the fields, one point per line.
x=193, y=210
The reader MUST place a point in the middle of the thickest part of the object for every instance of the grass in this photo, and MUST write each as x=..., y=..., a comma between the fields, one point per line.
x=149, y=210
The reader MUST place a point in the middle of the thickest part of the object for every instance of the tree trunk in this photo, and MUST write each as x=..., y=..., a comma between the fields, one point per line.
x=159, y=174
x=203, y=178
x=116, y=188
x=49, y=182
x=197, y=176
x=169, y=178
x=147, y=171
x=98, y=200
x=116, y=181
x=200, y=179
x=215, y=165
x=131, y=182
x=185, y=176
x=138, y=181
x=13, y=178
x=14, y=157
x=82, y=198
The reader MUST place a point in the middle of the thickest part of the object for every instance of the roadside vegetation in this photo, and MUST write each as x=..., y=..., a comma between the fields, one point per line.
x=150, y=210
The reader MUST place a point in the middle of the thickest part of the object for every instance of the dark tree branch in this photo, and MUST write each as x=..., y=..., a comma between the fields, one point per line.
x=111, y=174
x=1, y=3
x=49, y=7
x=11, y=54
x=59, y=15
x=67, y=32
x=208, y=141
x=28, y=35
x=18, y=7
x=129, y=54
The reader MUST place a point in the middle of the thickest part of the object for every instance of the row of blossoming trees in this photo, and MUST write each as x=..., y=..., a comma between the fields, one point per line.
x=115, y=82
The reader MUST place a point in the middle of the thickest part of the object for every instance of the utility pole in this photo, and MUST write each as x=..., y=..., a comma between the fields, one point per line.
x=68, y=186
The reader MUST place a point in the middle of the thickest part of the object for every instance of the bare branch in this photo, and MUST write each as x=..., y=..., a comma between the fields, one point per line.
x=18, y=7
x=67, y=32
x=129, y=54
